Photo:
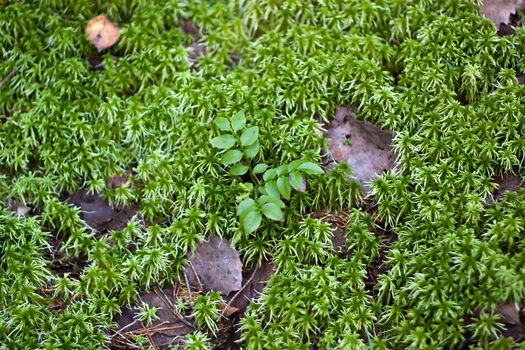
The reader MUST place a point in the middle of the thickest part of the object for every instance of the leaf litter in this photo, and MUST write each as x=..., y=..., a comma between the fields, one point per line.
x=364, y=146
x=214, y=266
x=102, y=32
x=500, y=11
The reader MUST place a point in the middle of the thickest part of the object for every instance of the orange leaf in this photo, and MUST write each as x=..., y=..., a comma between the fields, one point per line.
x=102, y=32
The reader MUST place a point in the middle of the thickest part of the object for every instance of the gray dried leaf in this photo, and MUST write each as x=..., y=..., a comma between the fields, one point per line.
x=217, y=264
x=499, y=11
x=361, y=144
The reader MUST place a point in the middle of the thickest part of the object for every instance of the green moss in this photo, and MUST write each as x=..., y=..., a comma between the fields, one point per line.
x=434, y=72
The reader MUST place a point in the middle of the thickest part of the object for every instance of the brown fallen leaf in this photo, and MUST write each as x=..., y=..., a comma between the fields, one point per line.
x=102, y=32
x=510, y=313
x=168, y=329
x=18, y=208
x=499, y=11
x=217, y=265
x=118, y=180
x=99, y=215
x=230, y=310
x=361, y=144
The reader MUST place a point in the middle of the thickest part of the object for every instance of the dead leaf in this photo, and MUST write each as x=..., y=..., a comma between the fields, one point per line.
x=507, y=182
x=19, y=208
x=254, y=281
x=217, y=264
x=500, y=11
x=102, y=32
x=230, y=310
x=99, y=215
x=361, y=144
x=510, y=313
x=118, y=180
x=170, y=326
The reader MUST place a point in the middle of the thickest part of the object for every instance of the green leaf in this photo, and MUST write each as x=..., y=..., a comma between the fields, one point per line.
x=223, y=124
x=271, y=189
x=269, y=199
x=246, y=204
x=297, y=181
x=252, y=150
x=260, y=168
x=251, y=220
x=231, y=157
x=272, y=211
x=293, y=165
x=223, y=142
x=238, y=121
x=310, y=168
x=283, y=185
x=238, y=169
x=249, y=136
x=269, y=174
x=281, y=169
x=246, y=186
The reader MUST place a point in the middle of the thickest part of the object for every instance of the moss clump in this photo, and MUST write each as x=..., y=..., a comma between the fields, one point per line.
x=435, y=73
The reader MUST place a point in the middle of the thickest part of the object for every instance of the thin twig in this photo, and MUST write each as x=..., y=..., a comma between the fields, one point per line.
x=150, y=339
x=188, y=287
x=239, y=292
x=196, y=275
x=9, y=76
x=175, y=313
x=120, y=330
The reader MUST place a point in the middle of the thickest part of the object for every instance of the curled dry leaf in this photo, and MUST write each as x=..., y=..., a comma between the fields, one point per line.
x=102, y=32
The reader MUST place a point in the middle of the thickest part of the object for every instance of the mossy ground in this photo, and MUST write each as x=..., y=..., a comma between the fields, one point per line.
x=434, y=72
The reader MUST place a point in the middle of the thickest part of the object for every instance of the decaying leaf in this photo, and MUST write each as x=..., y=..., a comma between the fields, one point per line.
x=99, y=215
x=507, y=182
x=217, y=264
x=362, y=145
x=254, y=282
x=102, y=32
x=510, y=313
x=19, y=208
x=165, y=333
x=499, y=11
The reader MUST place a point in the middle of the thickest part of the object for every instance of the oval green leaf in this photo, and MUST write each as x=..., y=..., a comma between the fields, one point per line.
x=272, y=190
x=272, y=211
x=252, y=150
x=223, y=141
x=260, y=168
x=223, y=124
x=249, y=136
x=310, y=168
x=251, y=221
x=238, y=169
x=245, y=205
x=231, y=157
x=283, y=185
x=238, y=121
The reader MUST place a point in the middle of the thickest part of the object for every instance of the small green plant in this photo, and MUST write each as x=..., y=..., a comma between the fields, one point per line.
x=277, y=182
x=147, y=314
x=207, y=312
x=197, y=341
x=240, y=141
